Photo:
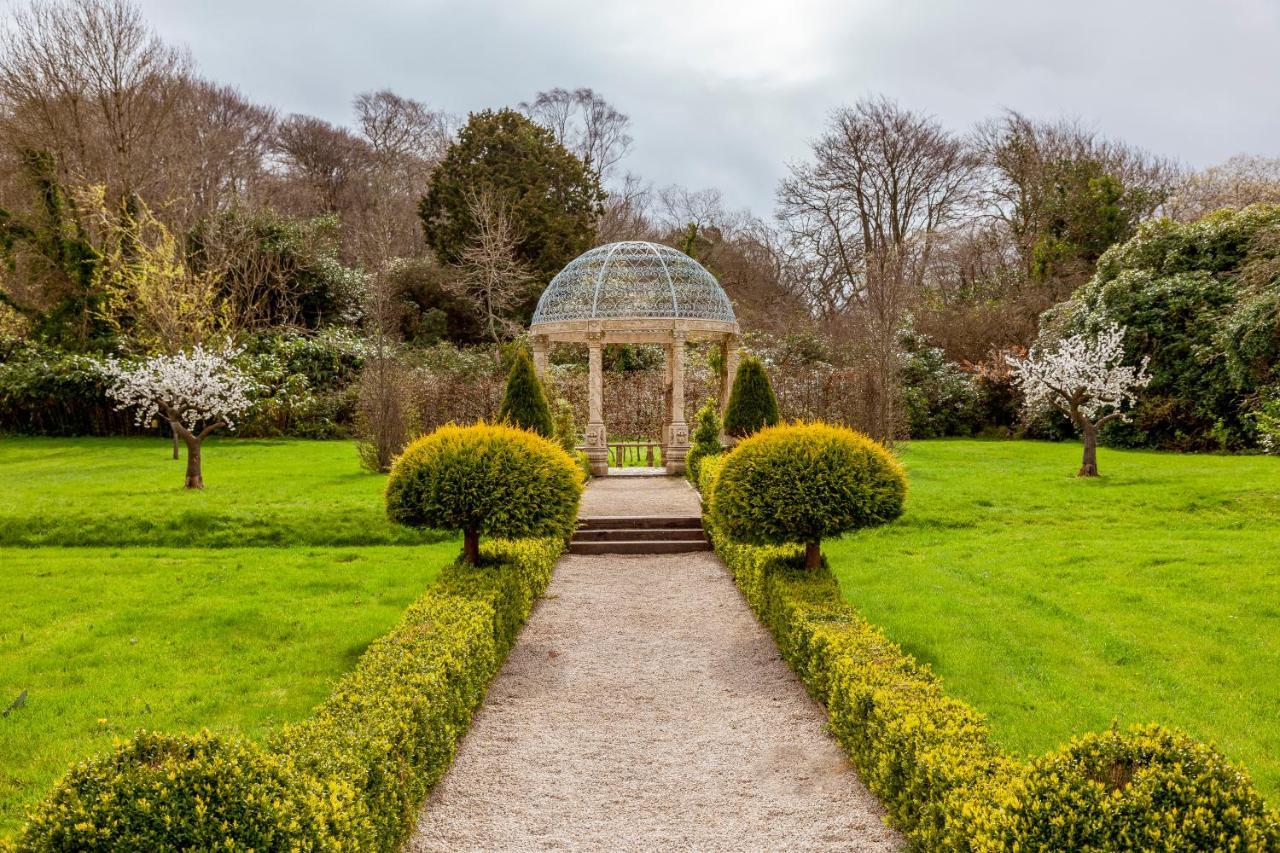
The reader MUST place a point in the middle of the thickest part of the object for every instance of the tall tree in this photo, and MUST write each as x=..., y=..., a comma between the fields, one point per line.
x=866, y=215
x=586, y=124
x=91, y=83
x=553, y=198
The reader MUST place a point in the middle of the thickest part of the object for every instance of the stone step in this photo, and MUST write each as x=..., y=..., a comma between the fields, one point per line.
x=656, y=534
x=639, y=547
x=639, y=522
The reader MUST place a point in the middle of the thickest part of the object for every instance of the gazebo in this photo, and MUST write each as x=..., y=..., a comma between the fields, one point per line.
x=635, y=292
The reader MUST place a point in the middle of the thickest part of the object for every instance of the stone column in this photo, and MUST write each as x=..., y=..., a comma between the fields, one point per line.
x=596, y=441
x=678, y=432
x=665, y=437
x=728, y=370
x=540, y=357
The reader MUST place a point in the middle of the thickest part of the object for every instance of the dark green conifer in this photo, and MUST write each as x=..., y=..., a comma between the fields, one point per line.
x=525, y=403
x=752, y=405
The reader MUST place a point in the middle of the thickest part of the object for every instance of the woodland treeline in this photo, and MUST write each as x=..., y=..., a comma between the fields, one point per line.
x=145, y=208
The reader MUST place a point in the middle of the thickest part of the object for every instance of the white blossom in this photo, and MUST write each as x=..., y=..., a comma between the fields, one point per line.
x=1082, y=373
x=201, y=388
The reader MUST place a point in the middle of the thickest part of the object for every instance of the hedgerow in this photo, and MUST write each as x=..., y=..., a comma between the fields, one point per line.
x=930, y=759
x=353, y=775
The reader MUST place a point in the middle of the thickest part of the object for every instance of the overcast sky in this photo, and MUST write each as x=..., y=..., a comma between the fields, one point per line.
x=725, y=94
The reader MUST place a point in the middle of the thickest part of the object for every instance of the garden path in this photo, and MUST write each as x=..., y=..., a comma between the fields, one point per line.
x=643, y=708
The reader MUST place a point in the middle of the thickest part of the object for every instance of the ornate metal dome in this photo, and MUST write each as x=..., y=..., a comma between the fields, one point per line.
x=633, y=280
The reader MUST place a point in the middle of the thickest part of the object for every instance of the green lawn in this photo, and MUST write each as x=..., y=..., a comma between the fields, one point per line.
x=168, y=622
x=1056, y=605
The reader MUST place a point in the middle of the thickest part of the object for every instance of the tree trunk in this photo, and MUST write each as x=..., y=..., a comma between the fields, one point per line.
x=471, y=547
x=195, y=478
x=812, y=555
x=173, y=431
x=1089, y=462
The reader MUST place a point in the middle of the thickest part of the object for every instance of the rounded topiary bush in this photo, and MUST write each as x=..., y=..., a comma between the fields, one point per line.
x=490, y=479
x=189, y=792
x=805, y=482
x=1150, y=788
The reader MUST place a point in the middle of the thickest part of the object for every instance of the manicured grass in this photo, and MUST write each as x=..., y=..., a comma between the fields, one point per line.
x=107, y=640
x=1057, y=605
x=127, y=491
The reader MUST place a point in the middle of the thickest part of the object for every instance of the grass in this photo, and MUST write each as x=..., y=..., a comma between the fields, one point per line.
x=168, y=621
x=634, y=457
x=1057, y=605
x=127, y=491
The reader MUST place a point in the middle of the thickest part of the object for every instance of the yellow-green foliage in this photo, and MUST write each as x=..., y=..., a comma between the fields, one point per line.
x=352, y=776
x=1148, y=789
x=930, y=760
x=807, y=481
x=491, y=478
x=189, y=792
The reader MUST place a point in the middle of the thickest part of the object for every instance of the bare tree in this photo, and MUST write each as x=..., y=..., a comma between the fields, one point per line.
x=1239, y=182
x=407, y=139
x=865, y=216
x=216, y=153
x=491, y=274
x=626, y=213
x=328, y=165
x=585, y=123
x=90, y=82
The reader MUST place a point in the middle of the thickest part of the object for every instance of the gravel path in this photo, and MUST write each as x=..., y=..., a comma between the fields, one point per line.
x=639, y=496
x=645, y=708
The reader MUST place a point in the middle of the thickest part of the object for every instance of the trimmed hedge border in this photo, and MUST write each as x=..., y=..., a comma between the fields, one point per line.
x=352, y=776
x=930, y=759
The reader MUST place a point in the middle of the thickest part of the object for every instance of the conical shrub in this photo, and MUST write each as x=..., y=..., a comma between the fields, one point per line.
x=752, y=406
x=525, y=403
x=706, y=440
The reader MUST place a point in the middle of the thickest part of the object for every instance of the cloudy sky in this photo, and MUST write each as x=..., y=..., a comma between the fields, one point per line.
x=726, y=93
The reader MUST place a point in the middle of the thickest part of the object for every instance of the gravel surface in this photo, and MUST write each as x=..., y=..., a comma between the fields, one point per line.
x=645, y=708
x=639, y=496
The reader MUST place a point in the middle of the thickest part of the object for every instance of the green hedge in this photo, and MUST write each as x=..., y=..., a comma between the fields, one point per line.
x=930, y=760
x=353, y=775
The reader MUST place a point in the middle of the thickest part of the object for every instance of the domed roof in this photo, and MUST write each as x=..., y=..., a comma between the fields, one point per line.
x=633, y=279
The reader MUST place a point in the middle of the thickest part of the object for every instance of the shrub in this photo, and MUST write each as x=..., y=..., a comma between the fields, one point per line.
x=525, y=403
x=1148, y=789
x=706, y=439
x=805, y=482
x=939, y=398
x=566, y=428
x=489, y=479
x=202, y=792
x=752, y=405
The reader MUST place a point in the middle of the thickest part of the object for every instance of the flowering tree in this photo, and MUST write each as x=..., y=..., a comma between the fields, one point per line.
x=198, y=392
x=1082, y=376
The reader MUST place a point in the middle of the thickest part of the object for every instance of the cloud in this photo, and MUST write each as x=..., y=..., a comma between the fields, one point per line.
x=726, y=93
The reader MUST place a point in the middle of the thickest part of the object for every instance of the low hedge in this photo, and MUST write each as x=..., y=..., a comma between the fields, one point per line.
x=353, y=775
x=930, y=759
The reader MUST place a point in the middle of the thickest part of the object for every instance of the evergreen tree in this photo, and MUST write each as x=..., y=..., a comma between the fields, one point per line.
x=525, y=403
x=706, y=439
x=553, y=197
x=752, y=405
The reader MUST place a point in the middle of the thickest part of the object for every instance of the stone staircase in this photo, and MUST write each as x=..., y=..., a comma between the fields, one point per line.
x=639, y=534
